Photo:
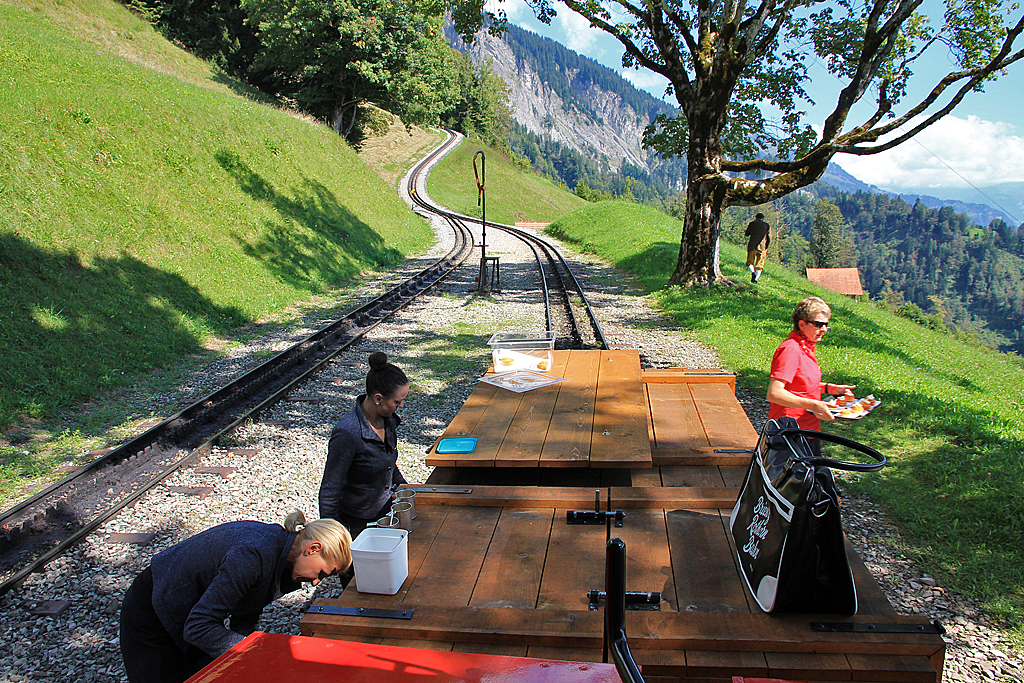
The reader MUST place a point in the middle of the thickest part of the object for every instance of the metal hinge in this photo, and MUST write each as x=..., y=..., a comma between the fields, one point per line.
x=863, y=627
x=596, y=516
x=635, y=601
x=362, y=612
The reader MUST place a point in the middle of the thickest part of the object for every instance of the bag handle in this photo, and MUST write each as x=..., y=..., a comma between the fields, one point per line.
x=880, y=460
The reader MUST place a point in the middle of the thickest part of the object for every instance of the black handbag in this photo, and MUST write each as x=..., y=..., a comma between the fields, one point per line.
x=786, y=523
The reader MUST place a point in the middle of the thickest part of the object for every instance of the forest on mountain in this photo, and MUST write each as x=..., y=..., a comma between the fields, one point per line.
x=332, y=60
x=933, y=265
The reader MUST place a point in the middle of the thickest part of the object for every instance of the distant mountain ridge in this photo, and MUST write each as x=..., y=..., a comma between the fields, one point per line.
x=982, y=214
x=568, y=97
x=573, y=100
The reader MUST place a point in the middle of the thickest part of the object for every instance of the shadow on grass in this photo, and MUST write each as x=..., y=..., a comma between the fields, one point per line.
x=69, y=331
x=305, y=260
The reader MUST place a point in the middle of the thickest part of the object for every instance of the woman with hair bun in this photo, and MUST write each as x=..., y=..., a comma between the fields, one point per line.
x=362, y=455
x=172, y=617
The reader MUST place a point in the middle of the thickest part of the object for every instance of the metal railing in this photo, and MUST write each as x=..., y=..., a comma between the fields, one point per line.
x=615, y=613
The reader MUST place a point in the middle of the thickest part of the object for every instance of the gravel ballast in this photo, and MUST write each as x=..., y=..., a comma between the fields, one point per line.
x=440, y=341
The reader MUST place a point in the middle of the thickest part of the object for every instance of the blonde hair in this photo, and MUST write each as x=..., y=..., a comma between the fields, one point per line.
x=330, y=533
x=809, y=307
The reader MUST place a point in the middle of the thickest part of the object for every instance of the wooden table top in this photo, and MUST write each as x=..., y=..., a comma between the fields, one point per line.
x=499, y=567
x=608, y=413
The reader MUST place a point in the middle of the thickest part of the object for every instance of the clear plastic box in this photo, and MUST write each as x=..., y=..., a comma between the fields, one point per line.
x=523, y=350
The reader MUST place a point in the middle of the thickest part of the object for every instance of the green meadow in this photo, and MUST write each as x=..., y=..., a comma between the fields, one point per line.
x=151, y=207
x=952, y=418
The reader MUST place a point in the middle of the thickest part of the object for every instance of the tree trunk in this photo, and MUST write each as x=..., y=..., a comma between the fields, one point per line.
x=698, y=262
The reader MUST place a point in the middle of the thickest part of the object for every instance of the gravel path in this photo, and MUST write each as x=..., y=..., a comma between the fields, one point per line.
x=440, y=341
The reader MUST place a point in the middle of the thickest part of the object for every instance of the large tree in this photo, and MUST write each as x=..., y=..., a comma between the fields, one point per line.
x=331, y=56
x=729, y=61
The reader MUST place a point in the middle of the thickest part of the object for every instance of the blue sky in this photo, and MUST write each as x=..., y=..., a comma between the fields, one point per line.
x=980, y=143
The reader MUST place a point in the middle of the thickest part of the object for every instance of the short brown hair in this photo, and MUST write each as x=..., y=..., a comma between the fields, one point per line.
x=807, y=308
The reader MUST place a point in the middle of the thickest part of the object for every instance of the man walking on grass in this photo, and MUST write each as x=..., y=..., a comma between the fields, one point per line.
x=757, y=246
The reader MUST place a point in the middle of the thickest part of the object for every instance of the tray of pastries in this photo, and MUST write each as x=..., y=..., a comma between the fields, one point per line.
x=850, y=408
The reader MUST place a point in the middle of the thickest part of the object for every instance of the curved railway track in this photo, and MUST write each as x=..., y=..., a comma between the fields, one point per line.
x=37, y=530
x=557, y=280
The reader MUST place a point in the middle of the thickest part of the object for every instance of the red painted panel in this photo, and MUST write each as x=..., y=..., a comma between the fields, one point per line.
x=275, y=658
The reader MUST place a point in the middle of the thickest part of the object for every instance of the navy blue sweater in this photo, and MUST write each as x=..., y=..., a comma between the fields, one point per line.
x=361, y=469
x=232, y=570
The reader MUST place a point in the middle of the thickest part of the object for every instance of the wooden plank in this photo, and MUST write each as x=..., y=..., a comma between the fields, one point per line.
x=689, y=631
x=490, y=431
x=490, y=649
x=648, y=561
x=675, y=497
x=703, y=663
x=724, y=421
x=700, y=476
x=803, y=665
x=745, y=632
x=646, y=476
x=707, y=578
x=689, y=376
x=450, y=569
x=463, y=423
x=620, y=413
x=575, y=565
x=674, y=455
x=525, y=437
x=502, y=626
x=511, y=572
x=734, y=475
x=870, y=598
x=892, y=668
x=572, y=420
x=417, y=644
x=512, y=496
x=565, y=654
x=674, y=418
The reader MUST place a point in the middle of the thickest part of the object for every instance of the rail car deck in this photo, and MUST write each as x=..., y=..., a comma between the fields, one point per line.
x=607, y=413
x=496, y=568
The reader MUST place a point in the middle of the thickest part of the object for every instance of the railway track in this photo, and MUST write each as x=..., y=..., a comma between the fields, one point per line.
x=39, y=529
x=565, y=302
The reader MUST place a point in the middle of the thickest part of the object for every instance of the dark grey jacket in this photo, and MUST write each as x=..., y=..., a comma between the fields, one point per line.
x=231, y=570
x=361, y=469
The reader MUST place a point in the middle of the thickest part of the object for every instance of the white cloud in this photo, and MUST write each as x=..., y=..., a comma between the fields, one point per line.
x=648, y=80
x=982, y=152
x=575, y=32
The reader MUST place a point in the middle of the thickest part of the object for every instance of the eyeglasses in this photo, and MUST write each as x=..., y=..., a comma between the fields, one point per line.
x=820, y=324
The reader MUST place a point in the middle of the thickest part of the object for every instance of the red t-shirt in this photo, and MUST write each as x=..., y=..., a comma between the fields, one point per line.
x=795, y=366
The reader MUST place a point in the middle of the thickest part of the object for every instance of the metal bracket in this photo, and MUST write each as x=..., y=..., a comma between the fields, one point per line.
x=862, y=627
x=436, y=489
x=596, y=516
x=362, y=612
x=593, y=517
x=635, y=601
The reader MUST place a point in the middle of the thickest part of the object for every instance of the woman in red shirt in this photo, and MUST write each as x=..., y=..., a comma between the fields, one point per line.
x=794, y=384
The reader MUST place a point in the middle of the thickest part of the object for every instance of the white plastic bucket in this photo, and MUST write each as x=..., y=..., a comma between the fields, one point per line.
x=381, y=559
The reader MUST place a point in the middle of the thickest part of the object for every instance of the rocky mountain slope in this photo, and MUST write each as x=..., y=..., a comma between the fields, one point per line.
x=584, y=116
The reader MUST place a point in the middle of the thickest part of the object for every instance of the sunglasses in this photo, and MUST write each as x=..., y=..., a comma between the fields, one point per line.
x=820, y=324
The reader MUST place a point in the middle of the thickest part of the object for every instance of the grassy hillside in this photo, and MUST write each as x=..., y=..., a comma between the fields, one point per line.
x=147, y=206
x=511, y=194
x=952, y=419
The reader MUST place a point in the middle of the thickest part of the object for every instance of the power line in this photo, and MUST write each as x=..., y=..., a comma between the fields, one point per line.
x=940, y=159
